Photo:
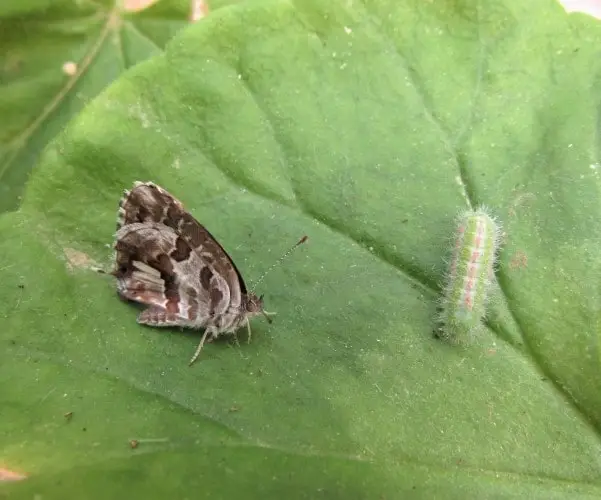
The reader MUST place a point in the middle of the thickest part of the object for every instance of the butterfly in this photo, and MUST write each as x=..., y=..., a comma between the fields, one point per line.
x=166, y=260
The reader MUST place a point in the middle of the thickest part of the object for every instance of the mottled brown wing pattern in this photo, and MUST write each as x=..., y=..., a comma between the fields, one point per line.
x=168, y=261
x=147, y=202
x=149, y=272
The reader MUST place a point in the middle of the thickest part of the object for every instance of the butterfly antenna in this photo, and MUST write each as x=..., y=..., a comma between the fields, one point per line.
x=279, y=261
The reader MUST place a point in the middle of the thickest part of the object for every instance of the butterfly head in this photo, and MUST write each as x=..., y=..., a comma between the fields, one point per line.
x=254, y=306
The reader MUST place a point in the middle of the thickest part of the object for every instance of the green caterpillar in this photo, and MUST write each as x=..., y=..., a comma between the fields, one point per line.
x=464, y=300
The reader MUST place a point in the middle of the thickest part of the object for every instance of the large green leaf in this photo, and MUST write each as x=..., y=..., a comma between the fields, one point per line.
x=367, y=126
x=58, y=55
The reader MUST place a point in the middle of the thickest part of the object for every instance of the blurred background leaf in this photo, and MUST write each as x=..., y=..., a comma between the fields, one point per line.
x=57, y=55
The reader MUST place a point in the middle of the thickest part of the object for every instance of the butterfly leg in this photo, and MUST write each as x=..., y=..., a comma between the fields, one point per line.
x=199, y=348
x=248, y=328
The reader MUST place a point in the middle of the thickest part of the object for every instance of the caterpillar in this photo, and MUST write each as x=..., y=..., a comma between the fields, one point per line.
x=463, y=304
